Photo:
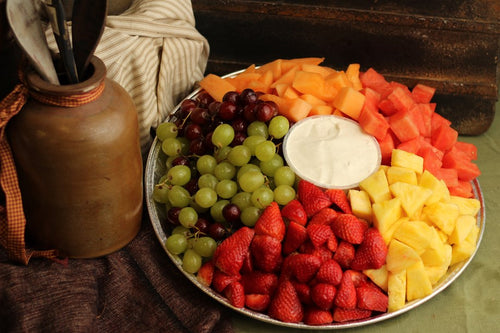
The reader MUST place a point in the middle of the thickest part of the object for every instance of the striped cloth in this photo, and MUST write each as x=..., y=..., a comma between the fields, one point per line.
x=154, y=51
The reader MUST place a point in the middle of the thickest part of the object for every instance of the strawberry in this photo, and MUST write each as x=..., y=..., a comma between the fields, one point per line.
x=230, y=254
x=330, y=272
x=321, y=252
x=285, y=305
x=344, y=254
x=266, y=253
x=349, y=228
x=371, y=253
x=346, y=292
x=221, y=280
x=257, y=302
x=258, y=282
x=206, y=273
x=319, y=233
x=324, y=216
x=296, y=235
x=323, y=295
x=294, y=211
x=247, y=264
x=371, y=298
x=303, y=291
x=341, y=315
x=305, y=266
x=358, y=278
x=235, y=293
x=339, y=199
x=271, y=223
x=315, y=316
x=332, y=243
x=312, y=197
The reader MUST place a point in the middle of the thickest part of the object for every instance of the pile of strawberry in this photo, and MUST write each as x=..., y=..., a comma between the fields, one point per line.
x=303, y=262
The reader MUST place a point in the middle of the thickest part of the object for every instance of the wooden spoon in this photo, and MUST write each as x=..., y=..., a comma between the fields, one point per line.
x=27, y=28
x=89, y=17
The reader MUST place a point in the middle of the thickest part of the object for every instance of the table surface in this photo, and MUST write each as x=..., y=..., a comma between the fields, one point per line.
x=138, y=289
x=472, y=302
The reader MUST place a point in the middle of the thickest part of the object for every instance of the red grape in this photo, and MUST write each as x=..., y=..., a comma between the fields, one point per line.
x=192, y=131
x=227, y=110
x=231, y=213
x=264, y=112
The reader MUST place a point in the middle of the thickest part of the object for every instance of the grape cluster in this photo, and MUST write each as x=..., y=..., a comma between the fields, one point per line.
x=224, y=166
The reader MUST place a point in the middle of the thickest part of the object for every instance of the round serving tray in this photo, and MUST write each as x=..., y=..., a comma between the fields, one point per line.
x=155, y=169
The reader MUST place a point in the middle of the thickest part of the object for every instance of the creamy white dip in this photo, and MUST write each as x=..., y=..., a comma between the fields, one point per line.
x=331, y=151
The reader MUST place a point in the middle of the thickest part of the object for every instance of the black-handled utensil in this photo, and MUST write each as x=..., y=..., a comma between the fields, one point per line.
x=57, y=18
x=88, y=19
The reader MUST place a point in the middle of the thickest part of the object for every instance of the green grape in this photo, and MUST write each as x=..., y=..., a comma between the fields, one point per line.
x=257, y=128
x=168, y=162
x=269, y=167
x=191, y=261
x=283, y=194
x=166, y=130
x=252, y=141
x=179, y=175
x=250, y=215
x=160, y=193
x=221, y=153
x=262, y=197
x=226, y=188
x=242, y=200
x=178, y=196
x=278, y=127
x=251, y=180
x=205, y=197
x=206, y=164
x=239, y=155
x=185, y=143
x=188, y=217
x=224, y=170
x=205, y=246
x=181, y=230
x=265, y=151
x=176, y=243
x=171, y=147
x=197, y=208
x=284, y=176
x=207, y=180
x=216, y=210
x=245, y=168
x=223, y=135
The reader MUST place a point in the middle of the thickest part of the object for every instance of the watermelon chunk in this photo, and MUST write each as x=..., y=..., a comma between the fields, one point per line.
x=387, y=144
x=422, y=114
x=422, y=93
x=403, y=126
x=449, y=176
x=437, y=120
x=372, y=122
x=463, y=189
x=372, y=79
x=401, y=99
x=432, y=161
x=468, y=148
x=411, y=146
x=458, y=160
x=444, y=137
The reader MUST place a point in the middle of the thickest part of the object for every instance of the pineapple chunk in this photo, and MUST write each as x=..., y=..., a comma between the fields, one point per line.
x=418, y=284
x=388, y=235
x=413, y=197
x=360, y=204
x=398, y=174
x=386, y=213
x=439, y=189
x=466, y=206
x=396, y=290
x=416, y=234
x=443, y=215
x=400, y=256
x=435, y=273
x=465, y=249
x=408, y=160
x=463, y=226
x=378, y=276
x=438, y=253
x=376, y=186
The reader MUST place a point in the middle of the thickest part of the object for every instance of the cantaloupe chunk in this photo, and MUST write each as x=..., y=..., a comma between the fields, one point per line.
x=273, y=66
x=216, y=86
x=349, y=101
x=313, y=100
x=287, y=77
x=352, y=73
x=308, y=83
x=338, y=80
x=295, y=109
x=323, y=70
x=291, y=93
x=322, y=110
x=242, y=80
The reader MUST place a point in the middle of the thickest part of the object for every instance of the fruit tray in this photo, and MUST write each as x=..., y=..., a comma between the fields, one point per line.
x=155, y=169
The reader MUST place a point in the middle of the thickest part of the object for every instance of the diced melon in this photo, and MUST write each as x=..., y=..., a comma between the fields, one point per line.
x=349, y=101
x=401, y=99
x=352, y=73
x=400, y=256
x=216, y=86
x=308, y=83
x=274, y=67
x=360, y=204
x=418, y=284
x=323, y=70
x=321, y=110
x=396, y=290
x=295, y=109
x=313, y=100
x=422, y=93
x=338, y=80
x=287, y=77
x=372, y=122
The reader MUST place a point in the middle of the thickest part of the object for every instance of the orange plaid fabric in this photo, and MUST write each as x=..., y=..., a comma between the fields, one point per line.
x=12, y=218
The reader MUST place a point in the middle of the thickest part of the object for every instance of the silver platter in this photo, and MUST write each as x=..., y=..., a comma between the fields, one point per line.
x=155, y=169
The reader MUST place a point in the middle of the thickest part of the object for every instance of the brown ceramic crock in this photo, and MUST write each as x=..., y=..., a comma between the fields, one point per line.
x=79, y=168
